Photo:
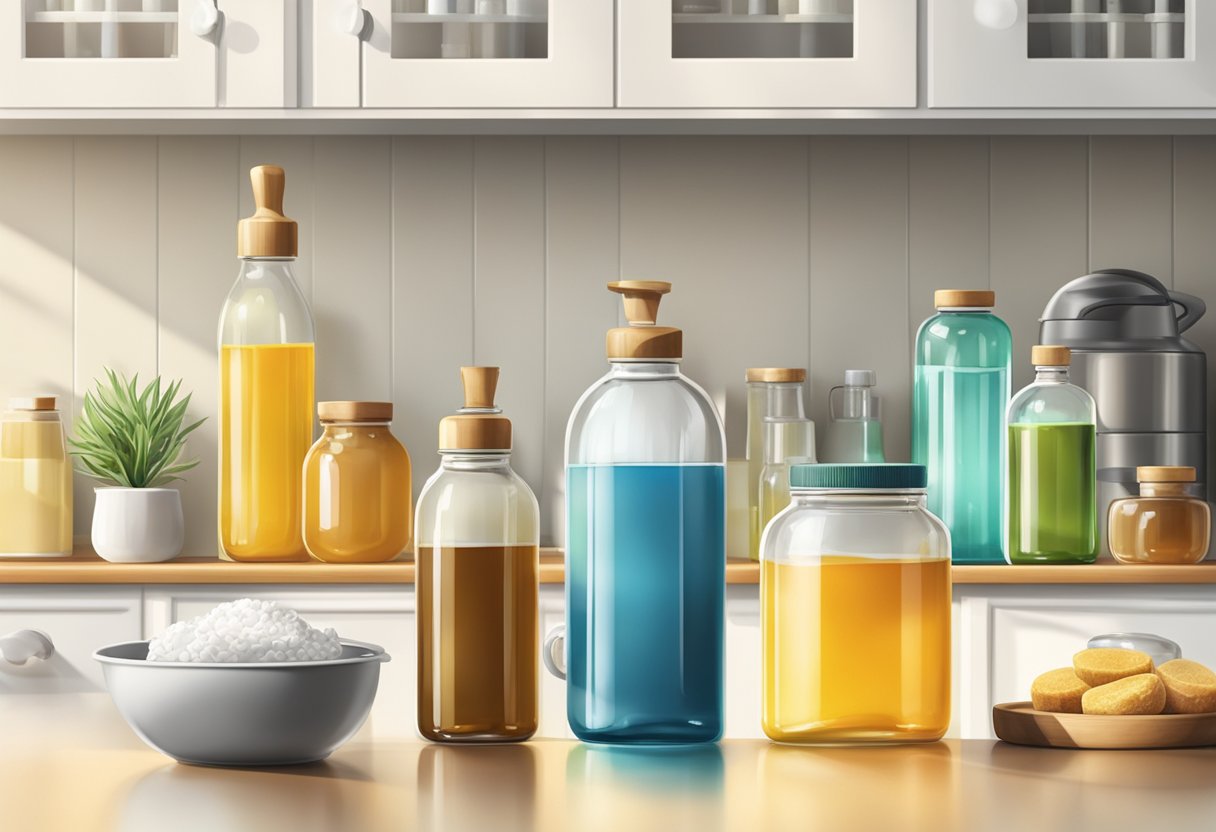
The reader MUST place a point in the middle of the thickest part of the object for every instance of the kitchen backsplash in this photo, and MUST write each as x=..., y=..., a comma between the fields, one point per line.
x=424, y=253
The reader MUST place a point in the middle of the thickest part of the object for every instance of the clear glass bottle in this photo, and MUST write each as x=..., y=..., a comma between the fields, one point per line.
x=35, y=481
x=855, y=609
x=1052, y=514
x=786, y=442
x=772, y=393
x=477, y=549
x=1164, y=524
x=358, y=502
x=960, y=391
x=267, y=361
x=854, y=431
x=645, y=548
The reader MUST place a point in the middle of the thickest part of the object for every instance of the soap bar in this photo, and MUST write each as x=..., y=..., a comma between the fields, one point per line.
x=1058, y=691
x=1139, y=695
x=1190, y=688
x=1103, y=665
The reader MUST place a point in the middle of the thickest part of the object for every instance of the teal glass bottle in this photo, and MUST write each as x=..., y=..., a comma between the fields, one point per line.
x=1053, y=487
x=960, y=392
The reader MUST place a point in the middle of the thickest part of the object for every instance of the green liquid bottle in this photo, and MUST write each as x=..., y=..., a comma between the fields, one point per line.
x=1052, y=510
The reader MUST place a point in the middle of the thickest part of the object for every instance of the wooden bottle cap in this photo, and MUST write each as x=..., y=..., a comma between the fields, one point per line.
x=268, y=233
x=642, y=339
x=776, y=375
x=1042, y=355
x=1165, y=473
x=480, y=385
x=964, y=299
x=354, y=412
x=32, y=403
x=469, y=429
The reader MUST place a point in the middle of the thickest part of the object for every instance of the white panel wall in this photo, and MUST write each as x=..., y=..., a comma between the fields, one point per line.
x=423, y=253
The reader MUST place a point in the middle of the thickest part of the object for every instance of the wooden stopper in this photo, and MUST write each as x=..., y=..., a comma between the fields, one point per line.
x=1043, y=355
x=480, y=385
x=641, y=299
x=32, y=403
x=268, y=233
x=964, y=299
x=1165, y=473
x=776, y=375
x=355, y=411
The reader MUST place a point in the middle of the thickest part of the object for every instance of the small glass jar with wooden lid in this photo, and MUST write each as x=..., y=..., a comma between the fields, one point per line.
x=357, y=486
x=1165, y=524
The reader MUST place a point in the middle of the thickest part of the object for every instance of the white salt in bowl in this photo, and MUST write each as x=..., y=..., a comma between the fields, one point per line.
x=254, y=714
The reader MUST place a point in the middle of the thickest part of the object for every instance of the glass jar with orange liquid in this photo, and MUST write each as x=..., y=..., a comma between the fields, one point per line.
x=357, y=498
x=1164, y=524
x=267, y=359
x=855, y=606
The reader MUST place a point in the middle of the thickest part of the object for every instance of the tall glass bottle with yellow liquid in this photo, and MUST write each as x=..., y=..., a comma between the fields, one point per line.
x=267, y=358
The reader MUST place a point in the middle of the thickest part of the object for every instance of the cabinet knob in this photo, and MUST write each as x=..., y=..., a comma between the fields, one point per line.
x=350, y=18
x=205, y=18
x=554, y=654
x=996, y=14
x=21, y=646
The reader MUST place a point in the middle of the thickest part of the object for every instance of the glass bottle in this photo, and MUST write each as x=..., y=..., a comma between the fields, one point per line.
x=267, y=360
x=1052, y=512
x=477, y=548
x=357, y=493
x=1164, y=524
x=772, y=393
x=35, y=481
x=786, y=441
x=960, y=391
x=645, y=550
x=855, y=609
x=855, y=428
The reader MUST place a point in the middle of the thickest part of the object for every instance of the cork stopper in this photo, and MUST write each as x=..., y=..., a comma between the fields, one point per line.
x=642, y=340
x=268, y=233
x=479, y=426
x=776, y=375
x=1050, y=356
x=37, y=403
x=964, y=299
x=354, y=412
x=1165, y=473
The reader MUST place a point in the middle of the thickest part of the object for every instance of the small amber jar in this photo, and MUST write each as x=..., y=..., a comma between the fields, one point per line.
x=1164, y=524
x=357, y=493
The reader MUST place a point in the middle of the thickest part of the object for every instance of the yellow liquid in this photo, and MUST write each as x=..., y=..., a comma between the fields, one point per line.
x=357, y=495
x=266, y=408
x=35, y=489
x=856, y=650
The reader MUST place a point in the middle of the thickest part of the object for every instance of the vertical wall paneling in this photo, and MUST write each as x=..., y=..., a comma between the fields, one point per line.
x=1195, y=254
x=1039, y=230
x=947, y=219
x=432, y=288
x=115, y=200
x=509, y=296
x=1131, y=204
x=196, y=256
x=725, y=220
x=352, y=267
x=582, y=233
x=294, y=154
x=859, y=274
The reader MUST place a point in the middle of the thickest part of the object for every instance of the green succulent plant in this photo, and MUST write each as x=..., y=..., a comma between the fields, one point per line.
x=132, y=438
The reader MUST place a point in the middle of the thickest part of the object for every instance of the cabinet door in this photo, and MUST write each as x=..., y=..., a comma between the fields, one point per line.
x=380, y=616
x=1071, y=53
x=108, y=53
x=767, y=53
x=488, y=53
x=1009, y=635
x=77, y=620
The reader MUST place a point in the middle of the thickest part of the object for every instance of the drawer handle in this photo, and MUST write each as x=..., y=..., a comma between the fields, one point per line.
x=205, y=18
x=996, y=14
x=554, y=653
x=21, y=646
x=350, y=18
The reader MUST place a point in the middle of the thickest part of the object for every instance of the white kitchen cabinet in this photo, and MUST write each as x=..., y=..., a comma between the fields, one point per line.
x=1071, y=53
x=77, y=620
x=466, y=53
x=766, y=53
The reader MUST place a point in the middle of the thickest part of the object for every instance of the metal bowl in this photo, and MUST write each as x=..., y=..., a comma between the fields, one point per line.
x=264, y=714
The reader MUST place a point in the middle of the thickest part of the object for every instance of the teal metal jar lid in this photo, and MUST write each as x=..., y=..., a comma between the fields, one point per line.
x=869, y=476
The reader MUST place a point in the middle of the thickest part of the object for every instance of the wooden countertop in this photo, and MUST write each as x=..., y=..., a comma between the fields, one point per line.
x=84, y=567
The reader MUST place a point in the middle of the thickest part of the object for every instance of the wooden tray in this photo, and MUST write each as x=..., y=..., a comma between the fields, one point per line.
x=1020, y=723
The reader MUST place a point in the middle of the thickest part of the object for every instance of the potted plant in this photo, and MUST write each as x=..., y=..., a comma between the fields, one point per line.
x=132, y=441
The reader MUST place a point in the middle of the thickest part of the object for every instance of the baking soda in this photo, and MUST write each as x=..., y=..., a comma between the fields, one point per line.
x=244, y=631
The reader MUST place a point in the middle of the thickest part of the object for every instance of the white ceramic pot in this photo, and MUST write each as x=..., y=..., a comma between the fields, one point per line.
x=138, y=525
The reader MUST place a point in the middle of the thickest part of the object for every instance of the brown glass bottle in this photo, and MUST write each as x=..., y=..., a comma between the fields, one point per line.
x=1164, y=524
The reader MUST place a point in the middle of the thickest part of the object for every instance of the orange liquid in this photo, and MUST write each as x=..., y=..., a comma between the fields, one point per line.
x=856, y=650
x=266, y=428
x=477, y=643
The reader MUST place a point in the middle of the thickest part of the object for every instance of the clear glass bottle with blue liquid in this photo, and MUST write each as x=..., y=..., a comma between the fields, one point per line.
x=961, y=389
x=646, y=542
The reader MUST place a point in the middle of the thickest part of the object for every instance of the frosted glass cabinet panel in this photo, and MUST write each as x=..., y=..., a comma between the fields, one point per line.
x=1072, y=53
x=767, y=53
x=488, y=53
x=108, y=53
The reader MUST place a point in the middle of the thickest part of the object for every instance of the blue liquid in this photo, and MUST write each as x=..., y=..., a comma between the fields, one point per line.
x=645, y=586
x=958, y=433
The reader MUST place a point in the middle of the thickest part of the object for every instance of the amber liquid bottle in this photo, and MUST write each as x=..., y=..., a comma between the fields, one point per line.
x=477, y=551
x=1164, y=524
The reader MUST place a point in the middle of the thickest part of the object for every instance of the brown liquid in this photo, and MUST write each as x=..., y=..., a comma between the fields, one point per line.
x=1171, y=529
x=477, y=643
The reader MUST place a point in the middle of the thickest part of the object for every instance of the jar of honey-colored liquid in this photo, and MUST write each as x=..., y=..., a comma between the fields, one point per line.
x=855, y=609
x=1164, y=524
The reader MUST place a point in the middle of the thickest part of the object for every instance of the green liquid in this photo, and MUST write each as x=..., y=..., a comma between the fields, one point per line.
x=1053, y=506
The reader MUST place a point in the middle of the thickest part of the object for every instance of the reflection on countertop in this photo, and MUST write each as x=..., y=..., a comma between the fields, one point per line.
x=67, y=762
